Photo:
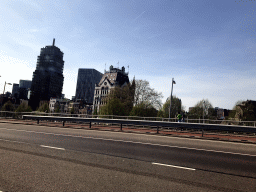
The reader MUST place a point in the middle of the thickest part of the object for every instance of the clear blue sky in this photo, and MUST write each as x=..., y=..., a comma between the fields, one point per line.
x=207, y=46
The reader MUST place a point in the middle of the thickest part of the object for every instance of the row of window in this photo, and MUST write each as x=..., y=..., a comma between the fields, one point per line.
x=102, y=92
x=100, y=102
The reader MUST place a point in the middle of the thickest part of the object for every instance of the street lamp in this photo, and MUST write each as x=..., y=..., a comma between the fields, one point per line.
x=203, y=109
x=173, y=82
x=5, y=85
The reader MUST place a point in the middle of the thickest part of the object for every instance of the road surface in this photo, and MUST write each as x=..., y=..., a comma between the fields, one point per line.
x=41, y=158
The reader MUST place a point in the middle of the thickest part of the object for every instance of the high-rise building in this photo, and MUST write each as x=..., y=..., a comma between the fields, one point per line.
x=15, y=90
x=25, y=84
x=86, y=80
x=24, y=87
x=112, y=78
x=48, y=77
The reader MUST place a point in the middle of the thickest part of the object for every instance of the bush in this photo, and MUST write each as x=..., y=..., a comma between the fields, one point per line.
x=143, y=111
x=8, y=106
x=24, y=108
x=44, y=108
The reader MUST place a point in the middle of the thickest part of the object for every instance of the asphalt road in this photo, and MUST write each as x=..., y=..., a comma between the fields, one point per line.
x=40, y=158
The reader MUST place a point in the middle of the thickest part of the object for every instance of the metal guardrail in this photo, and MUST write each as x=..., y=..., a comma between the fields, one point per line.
x=157, y=124
x=18, y=115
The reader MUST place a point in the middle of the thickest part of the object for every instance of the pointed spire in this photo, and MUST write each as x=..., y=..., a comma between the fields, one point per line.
x=53, y=42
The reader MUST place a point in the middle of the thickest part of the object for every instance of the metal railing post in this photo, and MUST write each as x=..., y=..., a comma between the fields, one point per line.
x=121, y=127
x=90, y=125
x=202, y=132
x=63, y=123
x=37, y=121
x=157, y=130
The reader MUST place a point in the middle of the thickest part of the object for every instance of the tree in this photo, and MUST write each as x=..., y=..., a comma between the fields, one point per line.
x=72, y=111
x=113, y=107
x=147, y=95
x=8, y=106
x=176, y=107
x=143, y=110
x=95, y=112
x=44, y=108
x=57, y=106
x=119, y=101
x=197, y=110
x=245, y=110
x=236, y=111
x=24, y=108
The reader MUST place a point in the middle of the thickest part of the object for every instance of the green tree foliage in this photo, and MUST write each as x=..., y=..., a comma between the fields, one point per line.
x=245, y=110
x=114, y=106
x=147, y=95
x=197, y=111
x=44, y=108
x=24, y=108
x=119, y=101
x=236, y=110
x=72, y=111
x=176, y=107
x=143, y=110
x=95, y=112
x=8, y=106
x=57, y=110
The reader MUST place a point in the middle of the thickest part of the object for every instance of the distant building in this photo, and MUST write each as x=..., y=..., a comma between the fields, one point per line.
x=48, y=77
x=112, y=78
x=86, y=80
x=58, y=105
x=73, y=106
x=190, y=109
x=25, y=84
x=15, y=90
x=24, y=88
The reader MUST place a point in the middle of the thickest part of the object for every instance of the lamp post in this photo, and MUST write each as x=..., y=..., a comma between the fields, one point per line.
x=2, y=98
x=173, y=82
x=5, y=85
x=203, y=110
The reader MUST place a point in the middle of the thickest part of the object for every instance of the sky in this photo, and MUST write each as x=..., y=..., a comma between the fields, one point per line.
x=207, y=46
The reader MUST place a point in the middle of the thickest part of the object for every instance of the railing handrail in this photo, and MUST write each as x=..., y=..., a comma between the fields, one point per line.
x=201, y=126
x=130, y=117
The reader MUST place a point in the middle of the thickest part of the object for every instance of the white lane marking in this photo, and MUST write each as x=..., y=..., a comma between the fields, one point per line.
x=13, y=141
x=108, y=139
x=179, y=147
x=52, y=147
x=174, y=166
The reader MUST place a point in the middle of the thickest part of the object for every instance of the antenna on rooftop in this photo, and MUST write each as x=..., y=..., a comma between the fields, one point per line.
x=53, y=42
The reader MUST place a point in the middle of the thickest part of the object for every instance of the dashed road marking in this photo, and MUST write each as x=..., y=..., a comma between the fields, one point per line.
x=135, y=142
x=52, y=147
x=174, y=166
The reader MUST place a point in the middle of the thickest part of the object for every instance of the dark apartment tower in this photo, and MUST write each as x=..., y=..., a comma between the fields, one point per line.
x=48, y=77
x=24, y=87
x=86, y=80
x=15, y=90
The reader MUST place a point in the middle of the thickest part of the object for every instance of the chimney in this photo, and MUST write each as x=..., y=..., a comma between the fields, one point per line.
x=53, y=42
